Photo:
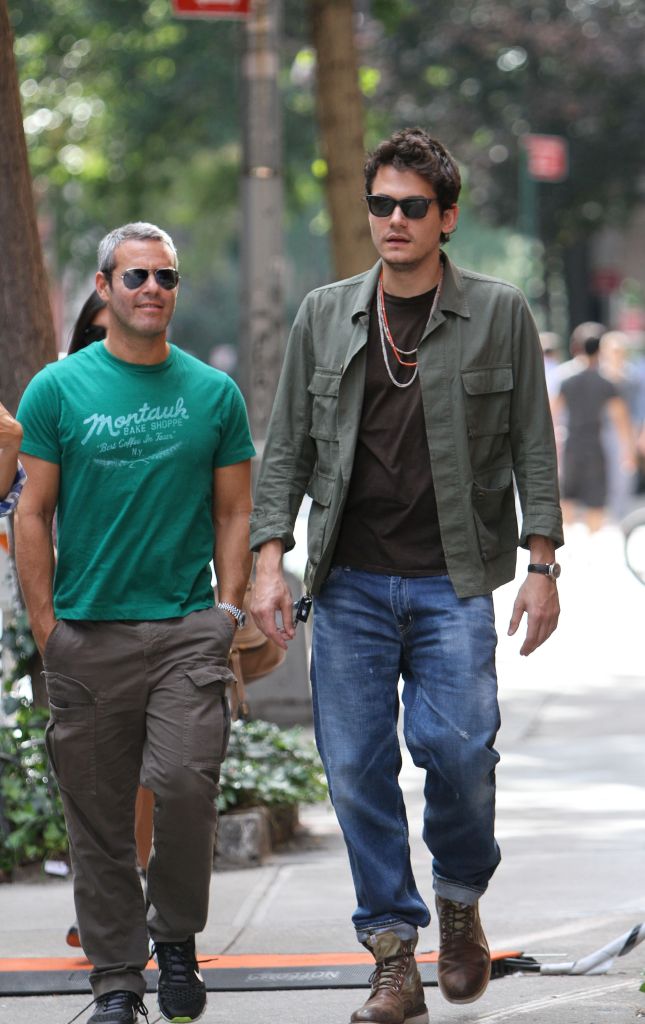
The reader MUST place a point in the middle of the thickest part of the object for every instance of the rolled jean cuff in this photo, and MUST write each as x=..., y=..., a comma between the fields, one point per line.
x=455, y=891
x=400, y=928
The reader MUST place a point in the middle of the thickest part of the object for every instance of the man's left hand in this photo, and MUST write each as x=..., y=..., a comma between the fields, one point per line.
x=538, y=597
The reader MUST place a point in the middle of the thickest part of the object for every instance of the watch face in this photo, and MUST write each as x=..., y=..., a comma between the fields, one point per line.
x=555, y=570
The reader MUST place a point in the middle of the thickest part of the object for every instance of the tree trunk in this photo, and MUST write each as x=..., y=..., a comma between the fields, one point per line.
x=27, y=338
x=340, y=120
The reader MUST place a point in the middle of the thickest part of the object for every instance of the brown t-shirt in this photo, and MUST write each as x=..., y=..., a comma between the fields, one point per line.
x=390, y=523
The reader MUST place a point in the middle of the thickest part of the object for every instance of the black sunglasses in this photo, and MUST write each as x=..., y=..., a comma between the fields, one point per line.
x=94, y=332
x=167, y=277
x=414, y=207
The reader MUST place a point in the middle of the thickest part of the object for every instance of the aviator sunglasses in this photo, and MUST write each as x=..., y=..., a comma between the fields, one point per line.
x=167, y=277
x=414, y=207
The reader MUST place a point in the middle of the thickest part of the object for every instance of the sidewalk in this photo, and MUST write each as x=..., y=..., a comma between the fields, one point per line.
x=571, y=824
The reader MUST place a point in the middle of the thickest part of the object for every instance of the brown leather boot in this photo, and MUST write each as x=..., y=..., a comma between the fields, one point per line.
x=397, y=993
x=464, y=958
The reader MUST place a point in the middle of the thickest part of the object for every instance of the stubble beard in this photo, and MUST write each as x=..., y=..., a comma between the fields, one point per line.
x=408, y=266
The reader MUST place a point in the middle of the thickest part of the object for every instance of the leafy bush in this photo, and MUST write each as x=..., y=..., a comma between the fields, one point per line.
x=265, y=765
x=268, y=765
x=32, y=826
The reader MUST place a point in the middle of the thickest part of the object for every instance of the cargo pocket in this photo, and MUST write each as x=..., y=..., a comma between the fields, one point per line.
x=70, y=736
x=495, y=518
x=488, y=400
x=207, y=723
x=323, y=388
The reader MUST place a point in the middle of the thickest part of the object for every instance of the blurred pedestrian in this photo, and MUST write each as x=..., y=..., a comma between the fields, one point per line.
x=586, y=397
x=618, y=367
x=550, y=343
x=409, y=397
x=580, y=335
x=144, y=454
x=91, y=324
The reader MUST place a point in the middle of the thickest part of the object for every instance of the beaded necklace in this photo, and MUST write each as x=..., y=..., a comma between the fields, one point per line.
x=386, y=335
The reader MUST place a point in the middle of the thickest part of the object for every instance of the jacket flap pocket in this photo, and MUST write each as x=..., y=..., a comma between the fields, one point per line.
x=324, y=382
x=320, y=489
x=204, y=675
x=487, y=380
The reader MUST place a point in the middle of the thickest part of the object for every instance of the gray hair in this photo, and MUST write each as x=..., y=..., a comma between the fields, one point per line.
x=140, y=231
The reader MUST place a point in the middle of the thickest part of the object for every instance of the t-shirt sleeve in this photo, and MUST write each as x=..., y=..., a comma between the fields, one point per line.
x=235, y=441
x=38, y=415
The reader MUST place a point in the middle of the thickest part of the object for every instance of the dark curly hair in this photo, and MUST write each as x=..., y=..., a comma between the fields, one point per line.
x=412, y=149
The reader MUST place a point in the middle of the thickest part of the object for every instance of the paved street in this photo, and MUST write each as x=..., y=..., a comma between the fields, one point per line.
x=571, y=823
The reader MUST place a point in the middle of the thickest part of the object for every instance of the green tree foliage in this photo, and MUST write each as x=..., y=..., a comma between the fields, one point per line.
x=131, y=112
x=482, y=73
x=124, y=99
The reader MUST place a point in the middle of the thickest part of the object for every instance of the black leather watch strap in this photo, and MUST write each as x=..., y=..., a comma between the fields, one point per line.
x=551, y=569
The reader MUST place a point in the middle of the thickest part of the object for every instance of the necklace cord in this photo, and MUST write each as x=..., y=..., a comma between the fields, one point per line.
x=388, y=341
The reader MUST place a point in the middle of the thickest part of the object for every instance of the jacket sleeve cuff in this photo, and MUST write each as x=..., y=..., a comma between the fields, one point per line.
x=272, y=529
x=543, y=523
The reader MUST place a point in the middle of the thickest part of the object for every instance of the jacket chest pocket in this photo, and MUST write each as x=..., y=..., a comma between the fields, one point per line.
x=488, y=400
x=323, y=388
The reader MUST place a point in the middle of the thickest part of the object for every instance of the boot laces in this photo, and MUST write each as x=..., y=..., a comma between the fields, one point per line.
x=390, y=973
x=457, y=921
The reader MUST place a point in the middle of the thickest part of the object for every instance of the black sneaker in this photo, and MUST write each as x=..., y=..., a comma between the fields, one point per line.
x=181, y=991
x=118, y=1008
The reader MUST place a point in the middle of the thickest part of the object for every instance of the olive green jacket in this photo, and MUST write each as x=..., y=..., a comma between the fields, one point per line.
x=487, y=422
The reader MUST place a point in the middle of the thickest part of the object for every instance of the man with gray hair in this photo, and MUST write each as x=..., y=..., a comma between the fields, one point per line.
x=143, y=452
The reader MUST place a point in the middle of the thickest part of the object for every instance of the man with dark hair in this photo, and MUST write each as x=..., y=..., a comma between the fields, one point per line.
x=143, y=452
x=410, y=397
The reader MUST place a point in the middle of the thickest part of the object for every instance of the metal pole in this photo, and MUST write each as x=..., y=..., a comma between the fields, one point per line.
x=262, y=317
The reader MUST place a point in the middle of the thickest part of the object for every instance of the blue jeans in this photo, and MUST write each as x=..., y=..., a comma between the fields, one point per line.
x=369, y=630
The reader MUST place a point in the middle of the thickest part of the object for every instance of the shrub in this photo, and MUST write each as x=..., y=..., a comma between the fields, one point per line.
x=32, y=826
x=268, y=765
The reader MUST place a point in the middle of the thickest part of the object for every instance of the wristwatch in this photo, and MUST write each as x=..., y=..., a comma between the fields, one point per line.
x=237, y=613
x=551, y=569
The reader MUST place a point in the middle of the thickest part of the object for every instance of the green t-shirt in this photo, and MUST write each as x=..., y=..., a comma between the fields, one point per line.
x=137, y=446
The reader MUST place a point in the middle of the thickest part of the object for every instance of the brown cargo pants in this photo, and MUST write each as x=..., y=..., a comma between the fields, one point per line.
x=138, y=701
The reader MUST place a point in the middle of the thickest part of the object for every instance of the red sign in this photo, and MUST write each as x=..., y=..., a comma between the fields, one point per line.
x=211, y=8
x=606, y=280
x=547, y=157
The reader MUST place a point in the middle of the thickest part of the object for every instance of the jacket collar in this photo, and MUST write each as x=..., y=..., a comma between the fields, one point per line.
x=452, y=296
x=366, y=292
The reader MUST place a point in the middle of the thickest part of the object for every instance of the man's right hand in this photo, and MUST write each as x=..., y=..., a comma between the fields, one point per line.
x=42, y=631
x=271, y=595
